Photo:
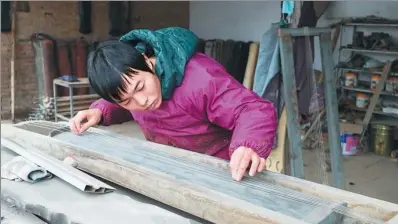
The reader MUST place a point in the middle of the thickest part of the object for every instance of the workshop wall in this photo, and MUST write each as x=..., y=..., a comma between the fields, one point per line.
x=61, y=20
x=236, y=20
x=339, y=10
x=247, y=21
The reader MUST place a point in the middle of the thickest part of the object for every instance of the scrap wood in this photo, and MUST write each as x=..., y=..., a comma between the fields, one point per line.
x=73, y=176
x=317, y=119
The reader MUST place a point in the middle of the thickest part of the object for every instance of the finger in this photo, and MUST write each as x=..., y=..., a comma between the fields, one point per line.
x=235, y=160
x=78, y=119
x=244, y=163
x=255, y=163
x=73, y=126
x=87, y=125
x=261, y=167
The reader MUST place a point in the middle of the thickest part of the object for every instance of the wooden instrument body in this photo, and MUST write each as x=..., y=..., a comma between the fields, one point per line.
x=196, y=183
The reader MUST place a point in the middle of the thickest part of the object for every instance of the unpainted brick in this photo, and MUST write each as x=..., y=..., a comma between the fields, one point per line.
x=60, y=19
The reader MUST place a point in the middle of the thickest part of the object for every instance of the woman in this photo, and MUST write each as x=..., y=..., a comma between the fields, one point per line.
x=179, y=97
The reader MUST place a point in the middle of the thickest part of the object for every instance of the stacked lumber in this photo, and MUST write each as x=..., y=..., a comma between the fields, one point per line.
x=81, y=102
x=45, y=109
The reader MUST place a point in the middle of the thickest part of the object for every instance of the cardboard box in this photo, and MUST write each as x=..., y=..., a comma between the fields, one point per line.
x=350, y=128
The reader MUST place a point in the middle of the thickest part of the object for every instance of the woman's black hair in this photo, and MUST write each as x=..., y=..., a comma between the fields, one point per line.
x=107, y=65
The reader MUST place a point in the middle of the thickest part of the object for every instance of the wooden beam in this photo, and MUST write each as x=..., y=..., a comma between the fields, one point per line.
x=78, y=98
x=332, y=112
x=195, y=183
x=291, y=104
x=375, y=97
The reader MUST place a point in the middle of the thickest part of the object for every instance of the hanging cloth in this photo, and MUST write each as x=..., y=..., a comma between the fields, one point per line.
x=6, y=16
x=84, y=16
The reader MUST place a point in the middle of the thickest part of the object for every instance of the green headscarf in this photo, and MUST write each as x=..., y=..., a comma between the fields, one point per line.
x=173, y=47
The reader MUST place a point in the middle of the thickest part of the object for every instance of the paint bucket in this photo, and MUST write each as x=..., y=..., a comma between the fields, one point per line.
x=351, y=79
x=381, y=139
x=349, y=144
x=390, y=82
x=362, y=100
x=375, y=80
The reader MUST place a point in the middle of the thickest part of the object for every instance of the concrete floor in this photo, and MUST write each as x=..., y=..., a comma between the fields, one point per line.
x=366, y=174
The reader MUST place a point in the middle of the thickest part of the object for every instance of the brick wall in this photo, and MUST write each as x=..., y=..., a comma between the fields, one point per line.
x=60, y=20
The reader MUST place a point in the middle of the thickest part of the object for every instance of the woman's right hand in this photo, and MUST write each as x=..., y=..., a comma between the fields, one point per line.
x=91, y=117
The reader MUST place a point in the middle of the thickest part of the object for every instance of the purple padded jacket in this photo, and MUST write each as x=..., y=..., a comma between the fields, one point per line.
x=210, y=113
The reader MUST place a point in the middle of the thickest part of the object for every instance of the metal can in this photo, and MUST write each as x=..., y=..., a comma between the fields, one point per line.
x=362, y=100
x=351, y=80
x=375, y=81
x=381, y=139
x=390, y=84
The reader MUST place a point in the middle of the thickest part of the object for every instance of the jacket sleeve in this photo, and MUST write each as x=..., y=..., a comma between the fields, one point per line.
x=111, y=113
x=230, y=105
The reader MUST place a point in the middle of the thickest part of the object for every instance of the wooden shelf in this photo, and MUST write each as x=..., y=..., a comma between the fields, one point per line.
x=363, y=90
x=392, y=25
x=367, y=71
x=375, y=111
x=370, y=51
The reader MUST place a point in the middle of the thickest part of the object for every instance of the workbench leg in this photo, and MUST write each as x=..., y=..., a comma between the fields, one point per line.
x=55, y=102
x=332, y=112
x=71, y=101
x=290, y=96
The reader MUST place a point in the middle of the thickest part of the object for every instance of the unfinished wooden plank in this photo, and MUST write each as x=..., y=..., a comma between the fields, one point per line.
x=251, y=65
x=76, y=102
x=332, y=112
x=66, y=172
x=276, y=160
x=75, y=108
x=290, y=97
x=204, y=190
x=76, y=98
x=374, y=208
x=358, y=209
x=73, y=206
x=358, y=204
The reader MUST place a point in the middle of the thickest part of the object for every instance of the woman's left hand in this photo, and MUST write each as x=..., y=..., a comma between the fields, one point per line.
x=241, y=158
